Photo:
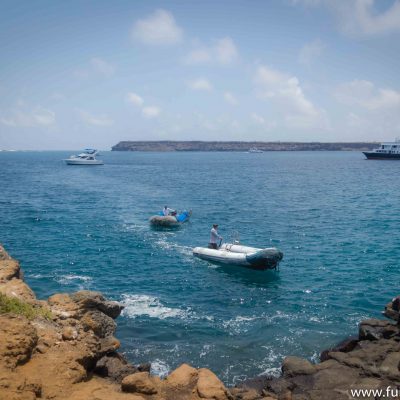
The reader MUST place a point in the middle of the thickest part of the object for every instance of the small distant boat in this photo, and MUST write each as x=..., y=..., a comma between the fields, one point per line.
x=88, y=157
x=244, y=256
x=255, y=150
x=386, y=151
x=172, y=220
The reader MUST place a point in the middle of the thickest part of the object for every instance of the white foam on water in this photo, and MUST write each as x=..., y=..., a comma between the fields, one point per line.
x=160, y=368
x=164, y=244
x=269, y=364
x=71, y=279
x=315, y=358
x=205, y=350
x=137, y=305
x=238, y=324
x=37, y=276
x=272, y=371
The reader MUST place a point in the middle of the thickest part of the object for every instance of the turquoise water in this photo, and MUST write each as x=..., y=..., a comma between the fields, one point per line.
x=334, y=215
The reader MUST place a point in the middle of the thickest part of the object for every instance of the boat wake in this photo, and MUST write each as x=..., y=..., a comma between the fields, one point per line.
x=164, y=244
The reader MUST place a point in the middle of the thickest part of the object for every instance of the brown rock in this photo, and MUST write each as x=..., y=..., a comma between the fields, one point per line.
x=293, y=366
x=209, y=386
x=99, y=323
x=31, y=386
x=249, y=394
x=9, y=269
x=286, y=396
x=390, y=365
x=145, y=367
x=182, y=376
x=345, y=346
x=114, y=366
x=69, y=333
x=332, y=378
x=392, y=309
x=331, y=363
x=62, y=306
x=19, y=289
x=3, y=254
x=90, y=300
x=109, y=345
x=18, y=338
x=374, y=329
x=139, y=382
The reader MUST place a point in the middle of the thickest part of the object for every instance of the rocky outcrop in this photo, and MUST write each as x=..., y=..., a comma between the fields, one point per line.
x=70, y=352
x=170, y=145
x=371, y=361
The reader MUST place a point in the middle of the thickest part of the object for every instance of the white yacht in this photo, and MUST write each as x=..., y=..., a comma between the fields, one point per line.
x=88, y=157
x=255, y=150
x=386, y=151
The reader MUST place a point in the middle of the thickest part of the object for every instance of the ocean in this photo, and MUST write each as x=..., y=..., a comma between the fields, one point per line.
x=334, y=215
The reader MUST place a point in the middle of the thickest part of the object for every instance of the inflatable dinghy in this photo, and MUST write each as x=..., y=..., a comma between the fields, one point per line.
x=236, y=254
x=170, y=220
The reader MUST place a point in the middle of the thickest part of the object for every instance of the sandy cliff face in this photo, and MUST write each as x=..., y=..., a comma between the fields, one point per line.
x=72, y=354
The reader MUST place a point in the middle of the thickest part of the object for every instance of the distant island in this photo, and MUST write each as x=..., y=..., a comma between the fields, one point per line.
x=169, y=145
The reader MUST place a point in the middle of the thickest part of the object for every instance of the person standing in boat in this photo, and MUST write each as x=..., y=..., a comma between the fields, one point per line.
x=215, y=238
x=167, y=211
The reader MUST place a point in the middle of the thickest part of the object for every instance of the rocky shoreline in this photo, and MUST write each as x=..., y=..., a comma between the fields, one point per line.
x=68, y=351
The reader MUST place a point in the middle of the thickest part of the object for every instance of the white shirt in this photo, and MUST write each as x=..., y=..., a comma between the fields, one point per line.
x=166, y=211
x=214, y=237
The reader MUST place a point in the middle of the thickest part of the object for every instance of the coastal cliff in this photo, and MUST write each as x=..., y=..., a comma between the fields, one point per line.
x=64, y=348
x=169, y=145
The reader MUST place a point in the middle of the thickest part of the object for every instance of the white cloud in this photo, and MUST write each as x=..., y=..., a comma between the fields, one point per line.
x=230, y=98
x=96, y=120
x=198, y=56
x=201, y=84
x=361, y=17
x=310, y=51
x=286, y=100
x=151, y=112
x=159, y=28
x=134, y=99
x=148, y=111
x=226, y=51
x=364, y=94
x=43, y=116
x=101, y=66
x=354, y=120
x=369, y=111
x=96, y=66
x=29, y=118
x=257, y=118
x=276, y=85
x=222, y=52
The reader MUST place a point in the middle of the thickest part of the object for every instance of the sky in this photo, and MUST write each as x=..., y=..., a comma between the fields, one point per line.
x=77, y=74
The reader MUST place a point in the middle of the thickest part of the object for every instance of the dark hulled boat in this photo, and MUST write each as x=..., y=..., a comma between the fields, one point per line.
x=386, y=151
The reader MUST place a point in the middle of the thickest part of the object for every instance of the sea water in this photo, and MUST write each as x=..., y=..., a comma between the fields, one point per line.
x=334, y=215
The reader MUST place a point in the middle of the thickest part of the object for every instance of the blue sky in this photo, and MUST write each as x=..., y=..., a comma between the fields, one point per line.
x=91, y=73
